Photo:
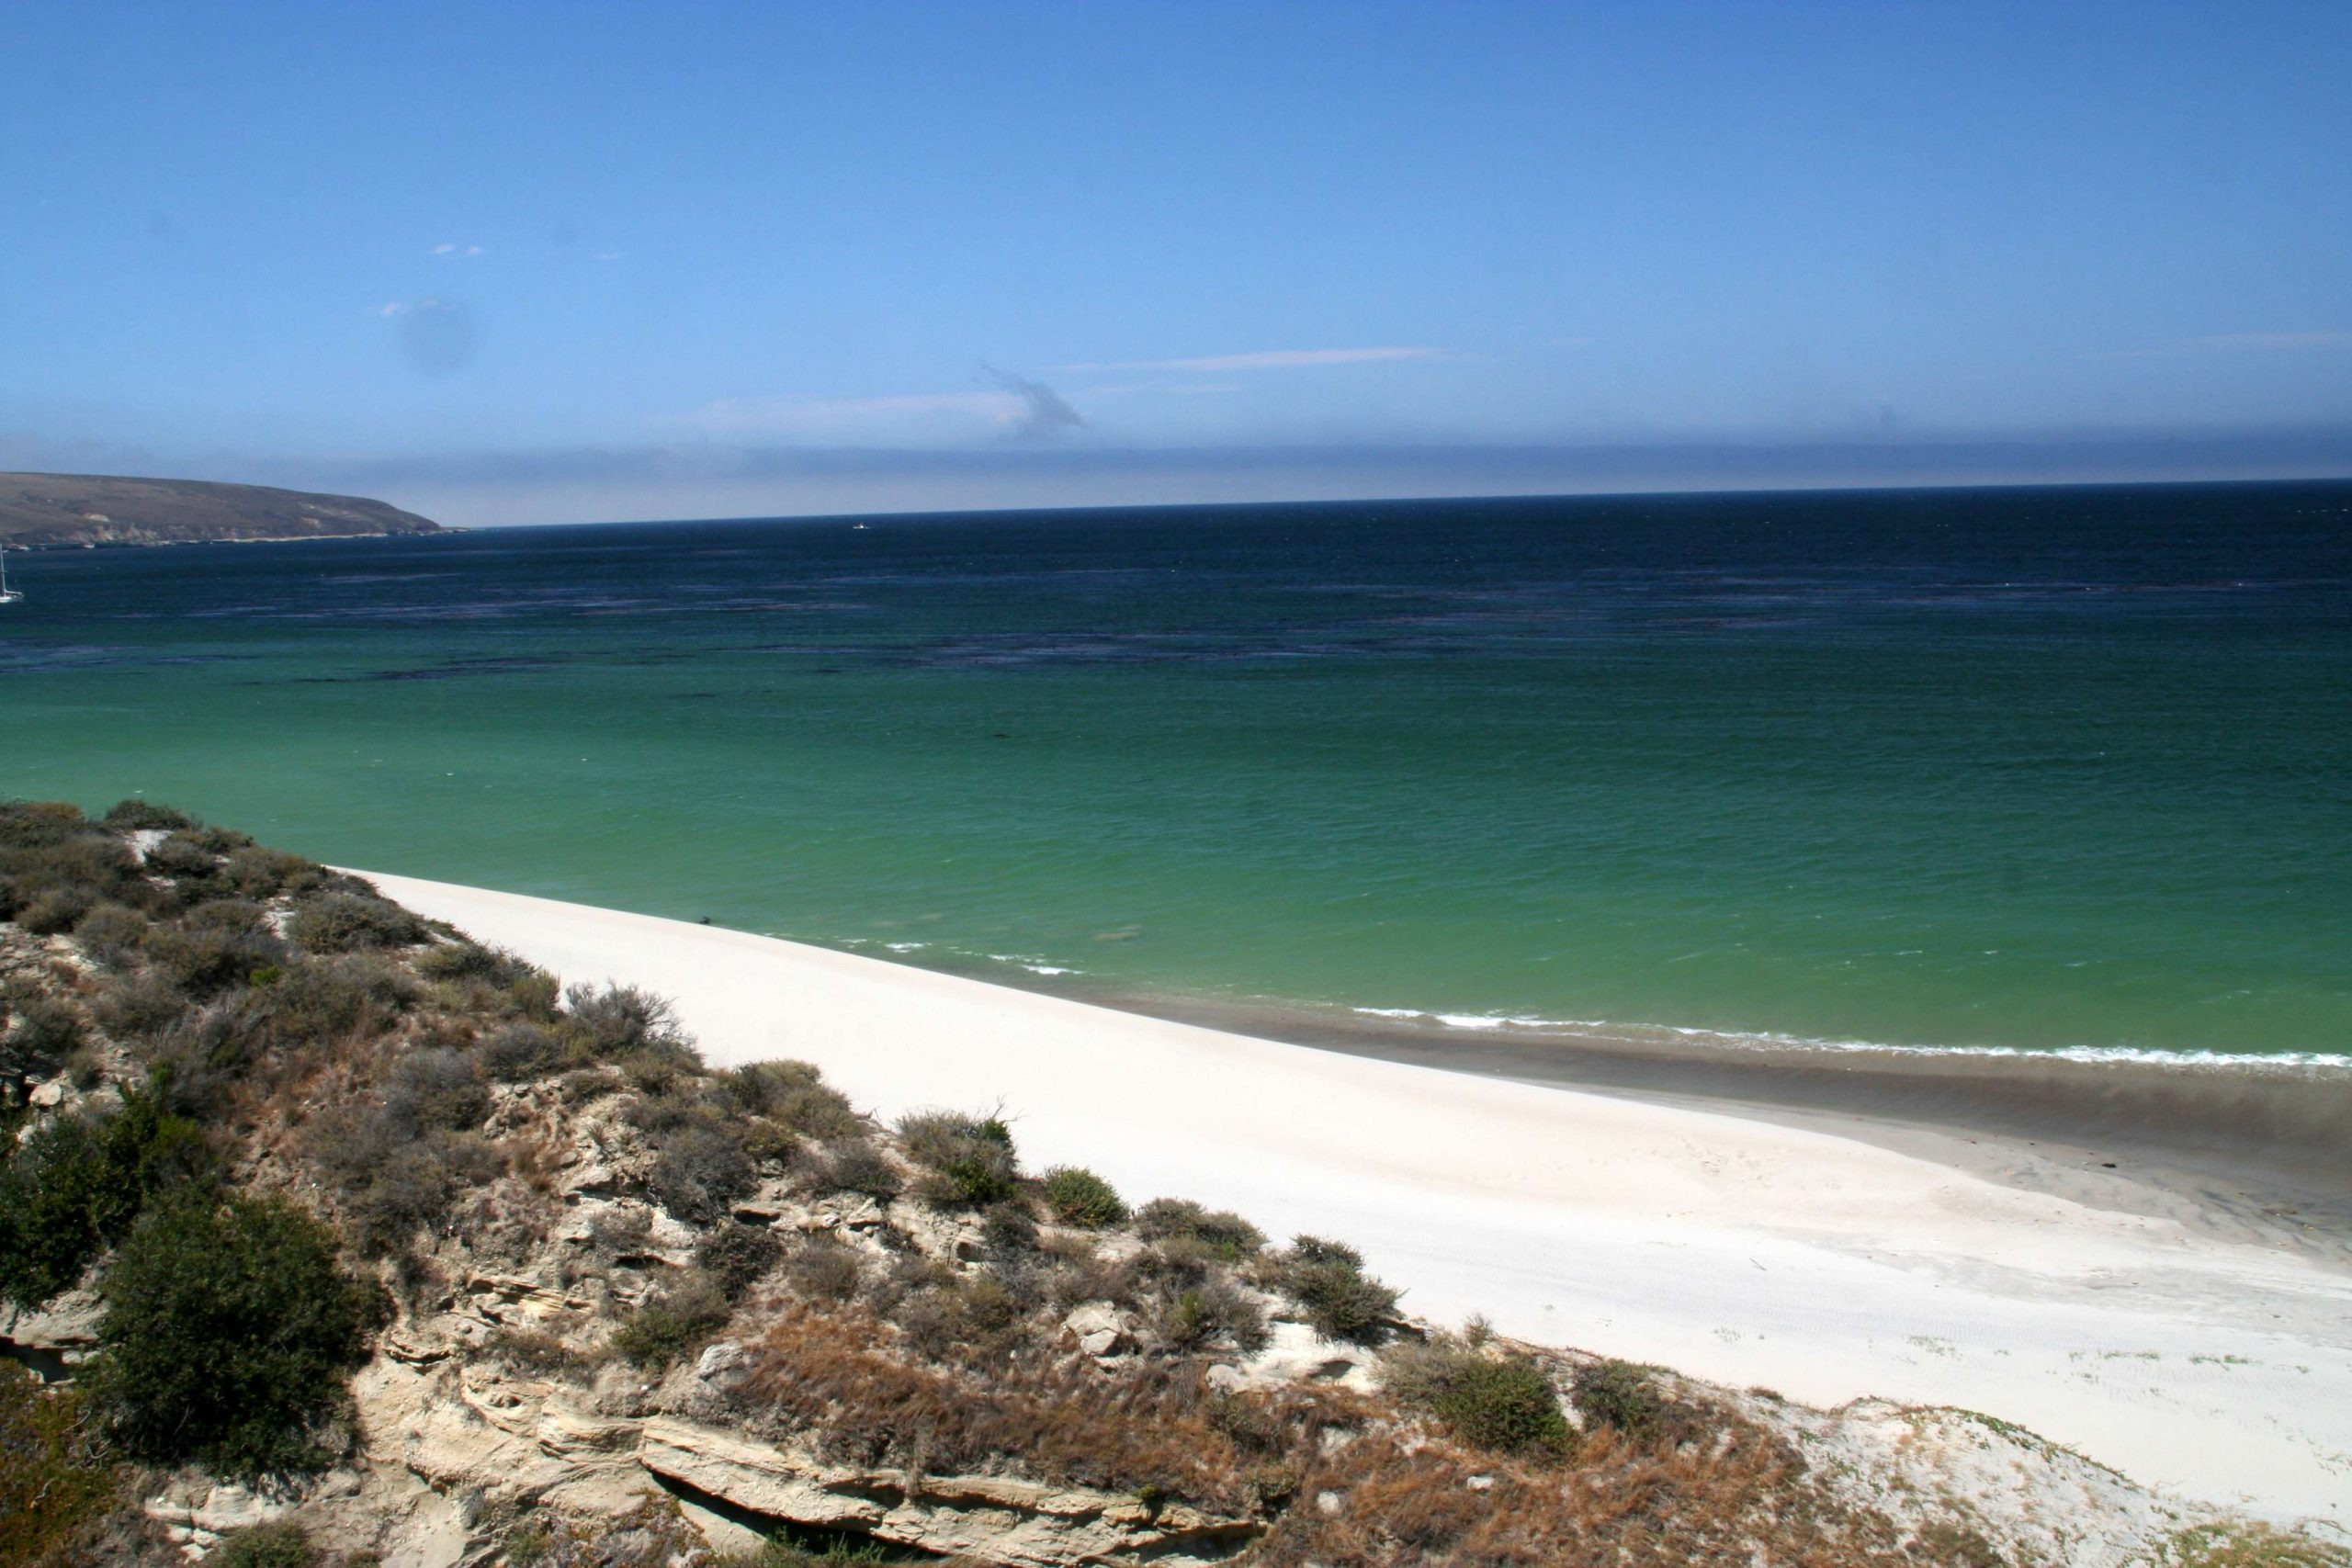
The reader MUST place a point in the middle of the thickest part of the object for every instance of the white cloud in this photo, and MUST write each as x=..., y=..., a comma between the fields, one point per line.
x=451, y=248
x=1269, y=359
x=921, y=418
x=604, y=255
x=2273, y=341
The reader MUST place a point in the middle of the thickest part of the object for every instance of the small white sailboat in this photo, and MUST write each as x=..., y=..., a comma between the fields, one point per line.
x=7, y=594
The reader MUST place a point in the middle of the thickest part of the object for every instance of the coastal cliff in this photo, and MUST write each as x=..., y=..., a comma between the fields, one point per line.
x=67, y=511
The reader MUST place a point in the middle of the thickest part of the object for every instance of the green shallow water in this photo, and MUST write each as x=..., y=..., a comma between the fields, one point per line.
x=2022, y=769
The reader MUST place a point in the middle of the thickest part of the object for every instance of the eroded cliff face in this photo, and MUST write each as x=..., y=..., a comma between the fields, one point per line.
x=59, y=511
x=646, y=1313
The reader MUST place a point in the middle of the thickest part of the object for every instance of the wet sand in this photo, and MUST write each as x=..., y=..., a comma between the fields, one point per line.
x=2262, y=1155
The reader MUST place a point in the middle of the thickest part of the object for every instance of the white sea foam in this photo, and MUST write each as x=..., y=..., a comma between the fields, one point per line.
x=2236, y=1060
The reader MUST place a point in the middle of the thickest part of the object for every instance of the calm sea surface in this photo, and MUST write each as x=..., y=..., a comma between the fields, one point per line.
x=2027, y=769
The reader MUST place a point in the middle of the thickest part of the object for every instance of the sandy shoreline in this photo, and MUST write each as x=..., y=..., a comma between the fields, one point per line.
x=2256, y=1155
x=1746, y=1250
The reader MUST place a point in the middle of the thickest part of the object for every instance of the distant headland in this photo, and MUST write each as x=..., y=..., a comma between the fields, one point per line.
x=66, y=511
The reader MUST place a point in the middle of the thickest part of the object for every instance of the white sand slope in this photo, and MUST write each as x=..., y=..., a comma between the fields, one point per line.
x=1733, y=1249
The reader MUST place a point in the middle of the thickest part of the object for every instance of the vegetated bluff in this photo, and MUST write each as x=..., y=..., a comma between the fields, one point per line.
x=52, y=510
x=339, y=1239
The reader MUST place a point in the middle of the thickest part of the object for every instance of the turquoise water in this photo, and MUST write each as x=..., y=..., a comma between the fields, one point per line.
x=2016, y=769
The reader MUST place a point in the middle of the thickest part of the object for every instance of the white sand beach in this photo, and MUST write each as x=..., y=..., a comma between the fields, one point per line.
x=1731, y=1249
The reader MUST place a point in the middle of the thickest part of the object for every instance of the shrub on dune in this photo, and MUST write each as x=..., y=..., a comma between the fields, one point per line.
x=1079, y=1197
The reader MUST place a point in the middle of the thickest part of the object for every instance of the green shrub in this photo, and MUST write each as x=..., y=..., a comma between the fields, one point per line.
x=436, y=1088
x=738, y=1255
x=1212, y=1311
x=471, y=961
x=54, y=1484
x=227, y=1333
x=112, y=934
x=1227, y=1234
x=76, y=1186
x=1340, y=1301
x=699, y=1171
x=214, y=947
x=137, y=1007
x=795, y=1095
x=54, y=910
x=1502, y=1403
x=278, y=1544
x=629, y=1027
x=330, y=999
x=135, y=815
x=352, y=922
x=183, y=855
x=1619, y=1394
x=1079, y=1197
x=31, y=823
x=256, y=873
x=37, y=1034
x=858, y=1167
x=521, y=1052
x=969, y=1160
x=822, y=1269
x=674, y=1327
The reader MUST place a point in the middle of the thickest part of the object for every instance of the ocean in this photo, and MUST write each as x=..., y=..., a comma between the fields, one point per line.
x=2061, y=770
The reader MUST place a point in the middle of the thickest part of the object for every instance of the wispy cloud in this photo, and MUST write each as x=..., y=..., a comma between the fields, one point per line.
x=1267, y=359
x=2271, y=341
x=1020, y=409
x=451, y=248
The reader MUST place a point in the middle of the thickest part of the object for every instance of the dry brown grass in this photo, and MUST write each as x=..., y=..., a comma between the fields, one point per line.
x=1337, y=1479
x=1154, y=1428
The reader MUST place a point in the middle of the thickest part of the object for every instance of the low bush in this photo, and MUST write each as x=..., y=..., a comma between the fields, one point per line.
x=37, y=1034
x=674, y=1325
x=77, y=1184
x=858, y=1167
x=1504, y=1403
x=630, y=1028
x=795, y=1095
x=738, y=1255
x=1338, y=1299
x=227, y=1333
x=135, y=1008
x=253, y=872
x=436, y=1089
x=1619, y=1394
x=54, y=910
x=278, y=1544
x=216, y=946
x=112, y=934
x=471, y=961
x=1210, y=1312
x=698, y=1172
x=1223, y=1233
x=135, y=815
x=822, y=1269
x=521, y=1052
x=1077, y=1197
x=352, y=922
x=968, y=1160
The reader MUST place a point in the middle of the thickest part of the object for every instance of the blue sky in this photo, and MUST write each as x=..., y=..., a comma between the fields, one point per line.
x=528, y=262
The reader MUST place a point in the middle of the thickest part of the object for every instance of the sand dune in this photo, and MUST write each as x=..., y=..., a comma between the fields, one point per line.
x=1734, y=1250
